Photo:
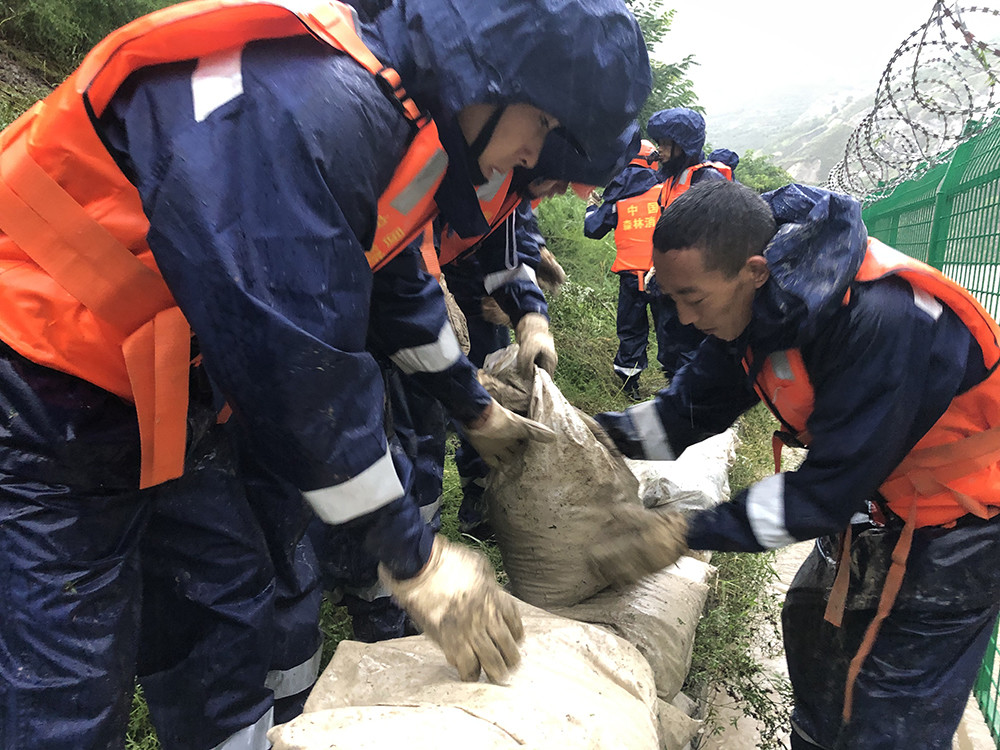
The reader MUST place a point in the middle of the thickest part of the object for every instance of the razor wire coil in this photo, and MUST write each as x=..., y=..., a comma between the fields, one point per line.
x=939, y=88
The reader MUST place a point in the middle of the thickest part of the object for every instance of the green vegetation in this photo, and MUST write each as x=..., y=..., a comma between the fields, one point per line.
x=671, y=86
x=64, y=30
x=760, y=173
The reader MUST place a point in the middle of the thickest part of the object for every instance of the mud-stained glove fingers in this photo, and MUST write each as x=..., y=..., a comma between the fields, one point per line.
x=535, y=345
x=463, y=657
x=499, y=438
x=506, y=632
x=457, y=603
x=637, y=542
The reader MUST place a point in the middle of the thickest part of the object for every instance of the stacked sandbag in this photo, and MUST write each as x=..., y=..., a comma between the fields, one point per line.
x=578, y=687
x=698, y=479
x=658, y=615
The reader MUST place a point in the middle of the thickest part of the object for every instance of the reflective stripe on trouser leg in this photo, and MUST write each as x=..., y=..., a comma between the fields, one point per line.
x=631, y=325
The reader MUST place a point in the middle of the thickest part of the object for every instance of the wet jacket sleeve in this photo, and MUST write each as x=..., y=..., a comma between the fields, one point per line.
x=409, y=324
x=260, y=209
x=599, y=220
x=884, y=370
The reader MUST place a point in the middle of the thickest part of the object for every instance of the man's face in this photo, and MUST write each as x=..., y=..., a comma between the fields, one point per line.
x=517, y=140
x=668, y=150
x=709, y=300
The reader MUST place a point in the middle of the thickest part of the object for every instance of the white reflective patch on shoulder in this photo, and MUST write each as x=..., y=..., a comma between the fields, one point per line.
x=766, y=512
x=928, y=303
x=434, y=357
x=651, y=433
x=489, y=190
x=253, y=737
x=287, y=682
x=497, y=279
x=780, y=364
x=217, y=79
x=374, y=487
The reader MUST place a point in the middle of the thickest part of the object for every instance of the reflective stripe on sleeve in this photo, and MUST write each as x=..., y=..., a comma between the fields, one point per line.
x=286, y=682
x=217, y=79
x=253, y=737
x=497, y=279
x=434, y=357
x=377, y=590
x=653, y=437
x=376, y=486
x=766, y=512
x=429, y=511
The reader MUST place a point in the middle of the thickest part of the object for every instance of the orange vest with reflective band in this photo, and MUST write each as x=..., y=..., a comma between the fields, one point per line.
x=634, y=231
x=79, y=288
x=675, y=187
x=955, y=467
x=496, y=208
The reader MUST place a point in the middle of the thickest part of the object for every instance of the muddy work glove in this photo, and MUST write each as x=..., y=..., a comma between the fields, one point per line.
x=635, y=542
x=502, y=433
x=457, y=603
x=534, y=344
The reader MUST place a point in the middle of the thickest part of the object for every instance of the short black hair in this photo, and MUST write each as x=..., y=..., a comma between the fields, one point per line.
x=727, y=221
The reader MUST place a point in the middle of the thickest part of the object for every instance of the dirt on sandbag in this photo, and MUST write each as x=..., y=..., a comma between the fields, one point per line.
x=549, y=504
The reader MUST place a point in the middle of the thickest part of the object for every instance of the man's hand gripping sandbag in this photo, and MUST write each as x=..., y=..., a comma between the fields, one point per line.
x=636, y=542
x=457, y=603
x=500, y=432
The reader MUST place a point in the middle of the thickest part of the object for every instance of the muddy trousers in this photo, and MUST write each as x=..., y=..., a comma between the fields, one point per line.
x=912, y=688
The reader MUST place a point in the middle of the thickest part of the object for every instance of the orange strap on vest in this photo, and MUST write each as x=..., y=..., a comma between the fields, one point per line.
x=94, y=267
x=429, y=253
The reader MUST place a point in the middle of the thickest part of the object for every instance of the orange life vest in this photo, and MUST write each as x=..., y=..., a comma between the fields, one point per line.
x=672, y=188
x=634, y=232
x=952, y=471
x=79, y=288
x=496, y=208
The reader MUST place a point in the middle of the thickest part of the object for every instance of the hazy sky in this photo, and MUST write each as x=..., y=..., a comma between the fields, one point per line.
x=751, y=50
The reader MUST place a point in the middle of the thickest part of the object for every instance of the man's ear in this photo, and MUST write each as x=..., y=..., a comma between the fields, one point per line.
x=756, y=266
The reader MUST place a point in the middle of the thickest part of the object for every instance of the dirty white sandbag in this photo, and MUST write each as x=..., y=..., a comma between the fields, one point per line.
x=548, y=504
x=658, y=615
x=677, y=729
x=578, y=686
x=697, y=479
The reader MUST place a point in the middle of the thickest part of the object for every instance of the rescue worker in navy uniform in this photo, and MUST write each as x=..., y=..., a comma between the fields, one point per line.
x=629, y=207
x=679, y=134
x=887, y=371
x=217, y=168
